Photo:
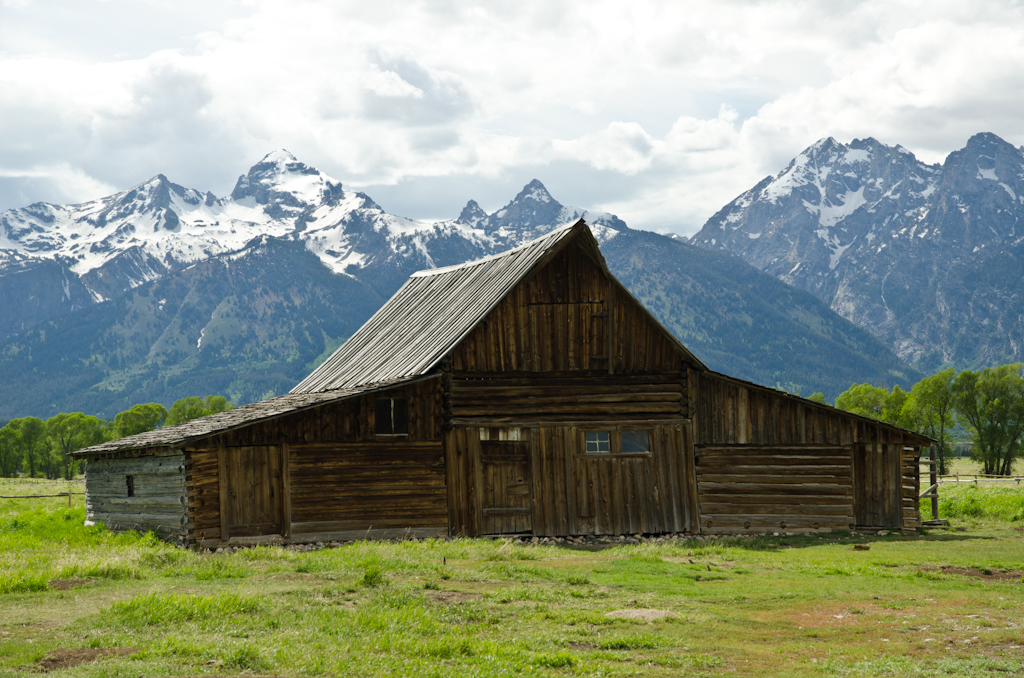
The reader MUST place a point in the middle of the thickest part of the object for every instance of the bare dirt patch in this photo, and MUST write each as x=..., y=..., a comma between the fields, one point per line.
x=986, y=574
x=65, y=584
x=70, y=657
x=453, y=597
x=647, y=615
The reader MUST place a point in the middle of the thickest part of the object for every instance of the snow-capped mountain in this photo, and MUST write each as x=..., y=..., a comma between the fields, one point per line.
x=100, y=249
x=926, y=257
x=161, y=291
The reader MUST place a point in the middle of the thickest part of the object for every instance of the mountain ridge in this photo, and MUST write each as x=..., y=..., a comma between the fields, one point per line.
x=167, y=306
x=897, y=246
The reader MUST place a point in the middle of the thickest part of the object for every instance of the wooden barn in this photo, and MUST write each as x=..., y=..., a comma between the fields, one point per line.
x=523, y=393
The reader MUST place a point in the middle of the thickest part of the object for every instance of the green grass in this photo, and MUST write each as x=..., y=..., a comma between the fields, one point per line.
x=998, y=501
x=770, y=606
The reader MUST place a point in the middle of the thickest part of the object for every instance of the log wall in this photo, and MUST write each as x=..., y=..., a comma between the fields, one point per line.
x=341, y=491
x=864, y=471
x=487, y=398
x=159, y=503
x=763, y=489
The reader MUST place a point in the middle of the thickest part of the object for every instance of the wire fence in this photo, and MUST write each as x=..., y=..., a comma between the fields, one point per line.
x=32, y=488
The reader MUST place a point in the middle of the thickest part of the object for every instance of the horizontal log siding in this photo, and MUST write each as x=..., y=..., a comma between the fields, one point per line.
x=203, y=485
x=349, y=420
x=559, y=320
x=364, y=486
x=595, y=397
x=755, y=489
x=159, y=504
x=728, y=412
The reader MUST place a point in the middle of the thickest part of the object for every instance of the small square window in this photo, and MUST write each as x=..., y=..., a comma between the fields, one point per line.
x=391, y=416
x=599, y=442
x=636, y=442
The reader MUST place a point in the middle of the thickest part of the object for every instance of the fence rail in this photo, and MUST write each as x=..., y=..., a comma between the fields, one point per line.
x=979, y=478
x=34, y=488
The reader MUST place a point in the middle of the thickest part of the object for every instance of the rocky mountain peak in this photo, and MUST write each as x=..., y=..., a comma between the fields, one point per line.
x=532, y=208
x=285, y=185
x=471, y=214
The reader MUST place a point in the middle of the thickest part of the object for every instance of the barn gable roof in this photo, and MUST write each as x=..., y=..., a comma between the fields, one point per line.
x=436, y=309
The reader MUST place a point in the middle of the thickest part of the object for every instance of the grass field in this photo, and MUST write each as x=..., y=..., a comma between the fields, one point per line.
x=947, y=603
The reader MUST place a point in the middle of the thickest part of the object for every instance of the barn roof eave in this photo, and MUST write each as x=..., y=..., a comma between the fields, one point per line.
x=190, y=432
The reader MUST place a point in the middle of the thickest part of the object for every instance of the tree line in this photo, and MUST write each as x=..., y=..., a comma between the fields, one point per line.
x=35, y=448
x=988, y=404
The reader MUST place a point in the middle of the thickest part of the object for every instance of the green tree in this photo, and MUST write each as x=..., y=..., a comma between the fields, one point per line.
x=186, y=409
x=990, y=404
x=873, y=401
x=29, y=438
x=929, y=410
x=818, y=397
x=138, y=419
x=10, y=452
x=70, y=432
x=863, y=399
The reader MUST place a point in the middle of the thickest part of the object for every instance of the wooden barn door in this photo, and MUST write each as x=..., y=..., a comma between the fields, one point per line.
x=504, y=481
x=877, y=485
x=251, y=491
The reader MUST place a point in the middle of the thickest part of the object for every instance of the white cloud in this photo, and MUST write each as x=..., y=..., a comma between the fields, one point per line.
x=661, y=112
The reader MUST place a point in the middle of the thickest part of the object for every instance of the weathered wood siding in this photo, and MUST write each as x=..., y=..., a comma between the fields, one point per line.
x=335, y=477
x=567, y=317
x=346, y=489
x=847, y=456
x=567, y=348
x=570, y=492
x=484, y=399
x=757, y=488
x=159, y=503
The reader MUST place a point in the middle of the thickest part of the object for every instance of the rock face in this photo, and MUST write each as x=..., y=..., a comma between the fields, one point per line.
x=160, y=291
x=928, y=258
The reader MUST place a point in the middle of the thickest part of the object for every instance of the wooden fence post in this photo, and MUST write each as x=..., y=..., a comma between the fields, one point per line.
x=934, y=480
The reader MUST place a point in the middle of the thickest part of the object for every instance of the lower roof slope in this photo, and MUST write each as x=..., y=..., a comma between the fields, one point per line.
x=212, y=424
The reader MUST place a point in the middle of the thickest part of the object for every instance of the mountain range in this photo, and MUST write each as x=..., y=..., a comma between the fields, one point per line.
x=925, y=257
x=162, y=291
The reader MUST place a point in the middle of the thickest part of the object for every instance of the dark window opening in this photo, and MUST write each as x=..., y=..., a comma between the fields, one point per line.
x=391, y=416
x=636, y=442
x=617, y=442
x=599, y=442
x=130, y=481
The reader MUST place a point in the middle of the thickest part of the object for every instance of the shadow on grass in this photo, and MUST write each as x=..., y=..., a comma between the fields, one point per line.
x=771, y=543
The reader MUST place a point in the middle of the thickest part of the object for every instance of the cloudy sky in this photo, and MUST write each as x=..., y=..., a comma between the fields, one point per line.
x=660, y=112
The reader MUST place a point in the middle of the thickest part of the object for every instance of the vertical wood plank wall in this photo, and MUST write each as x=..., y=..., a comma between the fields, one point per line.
x=574, y=493
x=734, y=417
x=558, y=321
